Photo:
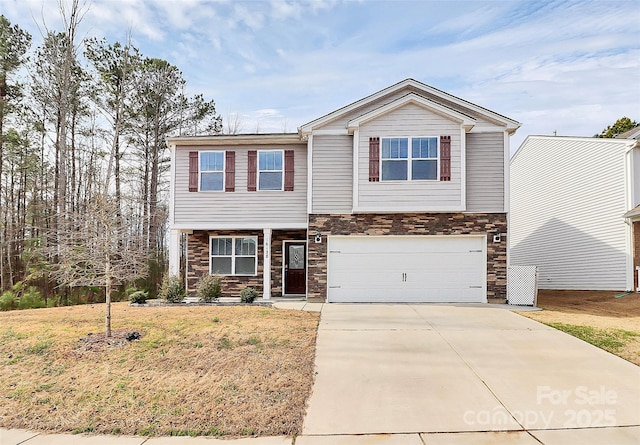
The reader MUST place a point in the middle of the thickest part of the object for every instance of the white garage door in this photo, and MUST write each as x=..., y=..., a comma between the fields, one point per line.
x=407, y=269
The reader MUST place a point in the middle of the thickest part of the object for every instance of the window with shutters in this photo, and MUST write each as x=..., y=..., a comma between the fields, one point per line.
x=233, y=255
x=270, y=169
x=211, y=171
x=409, y=159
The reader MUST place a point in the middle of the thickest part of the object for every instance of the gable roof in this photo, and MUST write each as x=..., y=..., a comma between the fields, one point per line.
x=465, y=120
x=634, y=133
x=510, y=124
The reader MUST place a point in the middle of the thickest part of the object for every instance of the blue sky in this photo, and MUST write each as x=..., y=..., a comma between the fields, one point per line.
x=566, y=66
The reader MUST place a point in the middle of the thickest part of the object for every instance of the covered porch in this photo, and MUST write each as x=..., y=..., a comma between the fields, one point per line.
x=273, y=261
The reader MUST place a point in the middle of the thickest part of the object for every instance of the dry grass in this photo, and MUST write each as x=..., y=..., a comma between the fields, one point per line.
x=597, y=317
x=232, y=371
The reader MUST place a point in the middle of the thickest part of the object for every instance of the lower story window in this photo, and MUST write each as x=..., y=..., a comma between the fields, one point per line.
x=233, y=255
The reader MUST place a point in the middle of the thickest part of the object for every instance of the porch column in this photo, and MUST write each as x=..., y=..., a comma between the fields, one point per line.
x=266, y=273
x=174, y=252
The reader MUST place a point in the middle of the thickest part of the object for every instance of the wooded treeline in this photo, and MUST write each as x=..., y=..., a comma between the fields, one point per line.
x=83, y=124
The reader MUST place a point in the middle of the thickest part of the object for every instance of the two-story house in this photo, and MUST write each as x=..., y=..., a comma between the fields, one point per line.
x=401, y=196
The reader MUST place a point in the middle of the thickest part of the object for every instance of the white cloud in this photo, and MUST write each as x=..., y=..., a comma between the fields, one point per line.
x=573, y=67
x=252, y=18
x=282, y=10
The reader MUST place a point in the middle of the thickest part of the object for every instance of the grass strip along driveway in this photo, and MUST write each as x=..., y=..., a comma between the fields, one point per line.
x=202, y=370
x=597, y=317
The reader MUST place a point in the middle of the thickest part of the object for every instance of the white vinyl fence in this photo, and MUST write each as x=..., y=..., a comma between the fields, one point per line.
x=522, y=285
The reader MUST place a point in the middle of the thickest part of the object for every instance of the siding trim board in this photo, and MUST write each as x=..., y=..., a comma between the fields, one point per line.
x=310, y=174
x=240, y=225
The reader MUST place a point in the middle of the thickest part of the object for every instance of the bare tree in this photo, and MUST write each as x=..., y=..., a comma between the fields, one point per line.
x=65, y=76
x=99, y=249
x=233, y=123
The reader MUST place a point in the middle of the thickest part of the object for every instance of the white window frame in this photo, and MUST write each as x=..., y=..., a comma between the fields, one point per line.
x=270, y=171
x=233, y=256
x=224, y=170
x=410, y=159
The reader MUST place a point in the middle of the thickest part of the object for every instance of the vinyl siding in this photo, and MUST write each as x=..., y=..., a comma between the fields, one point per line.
x=262, y=208
x=409, y=120
x=567, y=201
x=332, y=174
x=485, y=172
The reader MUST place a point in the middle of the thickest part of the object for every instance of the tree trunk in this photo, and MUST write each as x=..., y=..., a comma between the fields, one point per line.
x=107, y=293
x=3, y=93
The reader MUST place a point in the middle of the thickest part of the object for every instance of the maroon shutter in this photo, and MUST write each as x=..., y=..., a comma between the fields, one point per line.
x=230, y=171
x=193, y=171
x=374, y=159
x=445, y=158
x=252, y=170
x=288, y=170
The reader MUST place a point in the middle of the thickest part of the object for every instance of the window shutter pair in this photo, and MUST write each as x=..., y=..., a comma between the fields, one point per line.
x=252, y=171
x=445, y=159
x=229, y=171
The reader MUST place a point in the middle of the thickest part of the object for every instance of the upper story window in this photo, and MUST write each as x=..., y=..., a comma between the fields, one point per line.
x=270, y=170
x=405, y=159
x=211, y=170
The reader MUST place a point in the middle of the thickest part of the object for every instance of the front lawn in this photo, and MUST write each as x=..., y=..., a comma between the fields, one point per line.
x=203, y=370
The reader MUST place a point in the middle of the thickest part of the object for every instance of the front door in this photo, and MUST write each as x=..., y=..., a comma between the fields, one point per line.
x=295, y=273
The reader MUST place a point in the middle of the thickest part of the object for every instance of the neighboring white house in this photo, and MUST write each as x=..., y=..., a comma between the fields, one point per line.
x=571, y=211
x=399, y=196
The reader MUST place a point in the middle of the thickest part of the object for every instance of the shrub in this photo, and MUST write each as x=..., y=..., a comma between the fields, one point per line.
x=248, y=294
x=209, y=289
x=21, y=298
x=138, y=297
x=8, y=301
x=31, y=299
x=172, y=289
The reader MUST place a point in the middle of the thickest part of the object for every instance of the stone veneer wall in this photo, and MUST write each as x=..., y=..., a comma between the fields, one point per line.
x=375, y=224
x=198, y=262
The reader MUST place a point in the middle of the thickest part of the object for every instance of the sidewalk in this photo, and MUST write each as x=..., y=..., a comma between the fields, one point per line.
x=604, y=436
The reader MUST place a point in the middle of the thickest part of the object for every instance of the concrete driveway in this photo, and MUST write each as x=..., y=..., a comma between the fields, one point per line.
x=445, y=372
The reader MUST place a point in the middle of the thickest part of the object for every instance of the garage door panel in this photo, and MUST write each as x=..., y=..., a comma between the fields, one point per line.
x=407, y=269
